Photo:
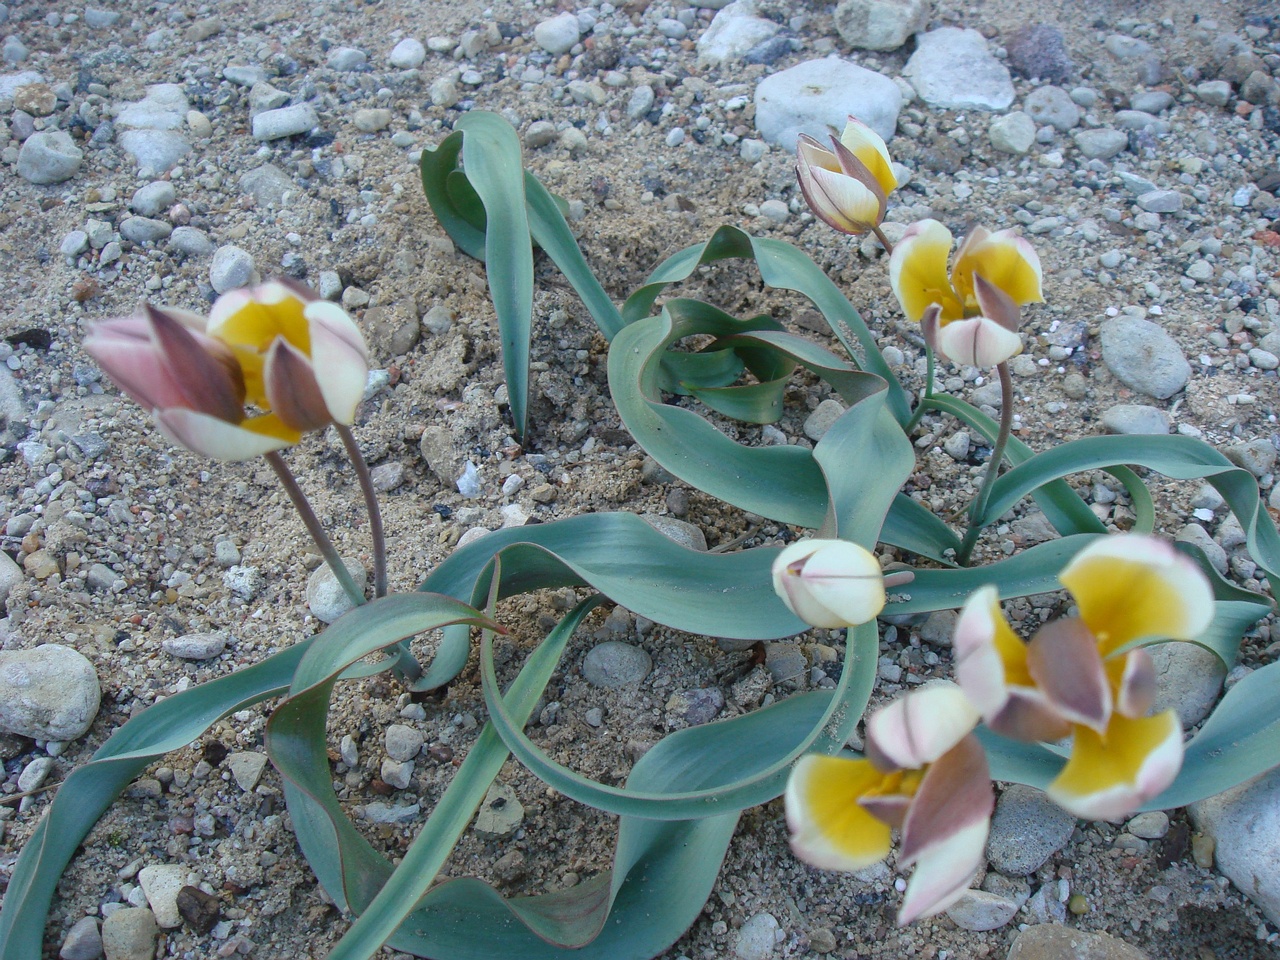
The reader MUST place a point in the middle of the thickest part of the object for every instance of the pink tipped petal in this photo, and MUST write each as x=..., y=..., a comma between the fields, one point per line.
x=1028, y=716
x=1135, y=682
x=978, y=342
x=890, y=808
x=918, y=271
x=867, y=145
x=829, y=828
x=841, y=202
x=1132, y=587
x=931, y=325
x=216, y=438
x=292, y=390
x=996, y=305
x=203, y=368
x=954, y=794
x=125, y=352
x=339, y=359
x=943, y=873
x=918, y=728
x=1110, y=777
x=1063, y=660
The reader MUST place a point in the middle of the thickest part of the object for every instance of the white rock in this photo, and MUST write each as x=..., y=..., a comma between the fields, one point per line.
x=819, y=95
x=757, y=938
x=325, y=597
x=161, y=883
x=153, y=199
x=954, y=69
x=734, y=31
x=1012, y=133
x=163, y=108
x=558, y=34
x=407, y=54
x=231, y=268
x=49, y=693
x=500, y=812
x=49, y=157
x=156, y=150
x=1188, y=680
x=880, y=24
x=246, y=768
x=195, y=646
x=403, y=742
x=285, y=122
x=10, y=574
x=130, y=934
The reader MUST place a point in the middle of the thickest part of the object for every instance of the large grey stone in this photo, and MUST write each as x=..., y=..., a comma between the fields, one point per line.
x=954, y=69
x=1244, y=824
x=49, y=693
x=1135, y=418
x=1026, y=830
x=880, y=24
x=1052, y=106
x=163, y=108
x=1051, y=941
x=285, y=122
x=325, y=597
x=1143, y=356
x=1101, y=143
x=155, y=150
x=818, y=96
x=49, y=157
x=557, y=34
x=267, y=184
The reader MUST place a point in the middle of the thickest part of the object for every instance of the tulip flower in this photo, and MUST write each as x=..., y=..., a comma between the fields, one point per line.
x=972, y=314
x=848, y=186
x=925, y=774
x=829, y=583
x=300, y=362
x=1084, y=677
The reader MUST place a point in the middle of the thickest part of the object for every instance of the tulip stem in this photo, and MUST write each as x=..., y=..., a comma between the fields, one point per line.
x=371, y=504
x=979, y=506
x=312, y=523
x=888, y=247
x=923, y=406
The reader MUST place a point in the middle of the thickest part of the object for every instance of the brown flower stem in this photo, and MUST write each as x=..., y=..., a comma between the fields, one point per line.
x=371, y=504
x=405, y=663
x=888, y=247
x=979, y=505
x=312, y=523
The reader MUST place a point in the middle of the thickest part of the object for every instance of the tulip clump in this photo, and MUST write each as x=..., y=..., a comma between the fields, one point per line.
x=268, y=365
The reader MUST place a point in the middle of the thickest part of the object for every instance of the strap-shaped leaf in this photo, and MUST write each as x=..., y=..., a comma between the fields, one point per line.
x=738, y=763
x=90, y=789
x=1180, y=458
x=785, y=267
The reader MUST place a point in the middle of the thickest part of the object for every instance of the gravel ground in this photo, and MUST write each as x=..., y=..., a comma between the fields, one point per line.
x=285, y=142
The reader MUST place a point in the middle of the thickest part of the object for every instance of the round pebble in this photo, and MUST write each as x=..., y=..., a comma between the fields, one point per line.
x=231, y=268
x=50, y=692
x=616, y=664
x=407, y=54
x=326, y=599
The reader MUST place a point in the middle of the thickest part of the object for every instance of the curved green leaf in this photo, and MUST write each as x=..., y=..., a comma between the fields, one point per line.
x=786, y=268
x=737, y=763
x=1180, y=458
x=90, y=789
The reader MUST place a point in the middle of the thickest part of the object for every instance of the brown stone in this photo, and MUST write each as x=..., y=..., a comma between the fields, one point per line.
x=1049, y=941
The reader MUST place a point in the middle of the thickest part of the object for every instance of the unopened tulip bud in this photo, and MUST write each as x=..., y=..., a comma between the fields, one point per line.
x=829, y=583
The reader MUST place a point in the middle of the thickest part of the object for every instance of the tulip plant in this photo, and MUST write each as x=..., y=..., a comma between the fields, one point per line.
x=1066, y=710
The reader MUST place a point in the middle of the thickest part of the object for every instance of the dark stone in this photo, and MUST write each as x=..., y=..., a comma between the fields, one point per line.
x=200, y=910
x=1039, y=50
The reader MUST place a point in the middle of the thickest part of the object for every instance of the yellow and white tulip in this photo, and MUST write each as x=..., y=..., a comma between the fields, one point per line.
x=1084, y=677
x=847, y=187
x=971, y=313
